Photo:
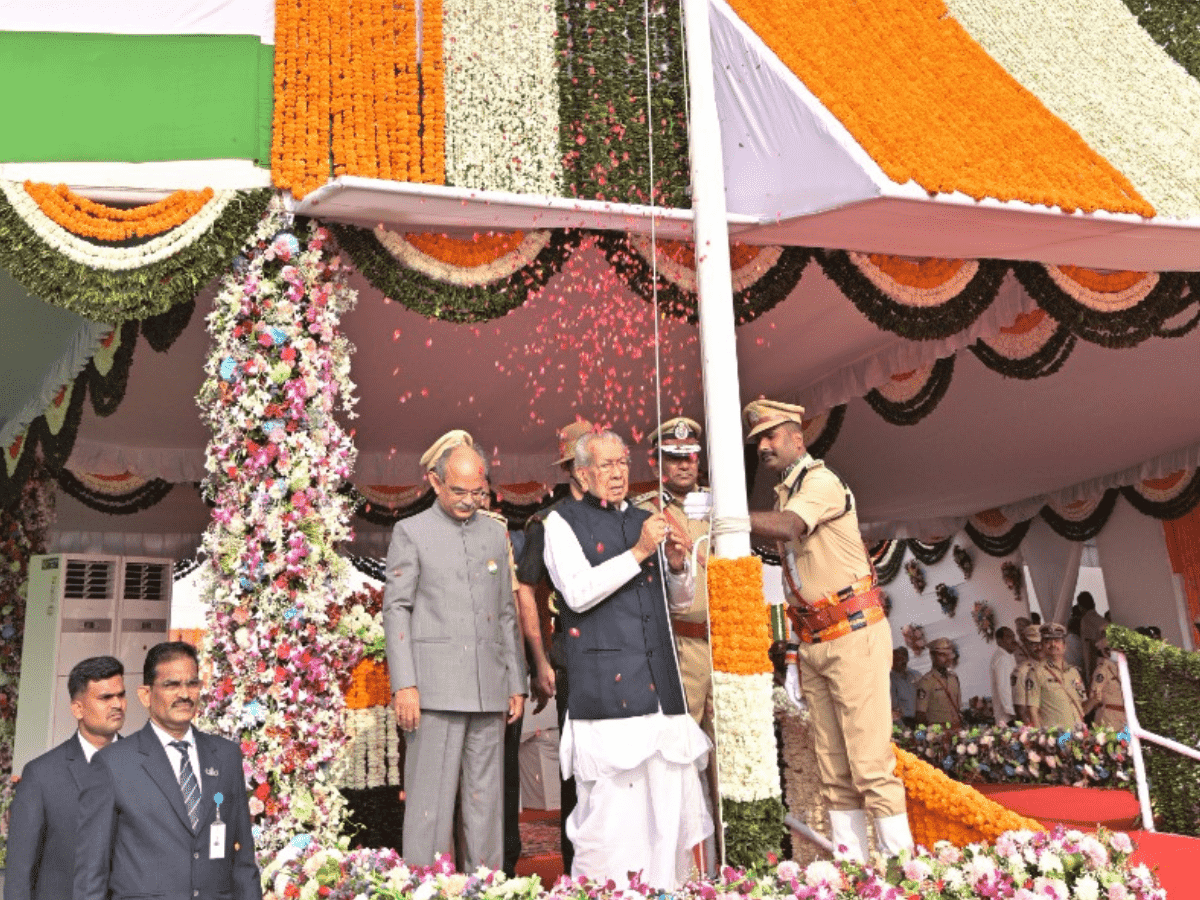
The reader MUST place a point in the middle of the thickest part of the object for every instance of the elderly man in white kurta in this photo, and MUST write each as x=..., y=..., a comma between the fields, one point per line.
x=628, y=740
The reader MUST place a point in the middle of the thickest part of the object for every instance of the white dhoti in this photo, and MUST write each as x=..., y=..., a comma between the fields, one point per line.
x=641, y=805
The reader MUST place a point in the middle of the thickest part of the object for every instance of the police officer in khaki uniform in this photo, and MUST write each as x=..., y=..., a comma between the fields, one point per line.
x=1022, y=676
x=1105, y=695
x=845, y=643
x=939, y=695
x=679, y=442
x=1057, y=697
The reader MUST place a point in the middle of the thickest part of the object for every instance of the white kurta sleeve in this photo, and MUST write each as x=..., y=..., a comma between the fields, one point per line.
x=581, y=584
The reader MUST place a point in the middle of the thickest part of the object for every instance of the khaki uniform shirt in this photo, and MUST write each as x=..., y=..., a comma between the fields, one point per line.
x=1022, y=681
x=1106, y=687
x=1057, y=695
x=940, y=698
x=831, y=556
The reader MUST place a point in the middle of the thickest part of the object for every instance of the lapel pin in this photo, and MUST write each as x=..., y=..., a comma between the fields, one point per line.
x=211, y=772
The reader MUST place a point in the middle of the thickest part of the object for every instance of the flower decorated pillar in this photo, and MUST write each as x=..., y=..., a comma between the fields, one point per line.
x=747, y=772
x=277, y=371
x=23, y=527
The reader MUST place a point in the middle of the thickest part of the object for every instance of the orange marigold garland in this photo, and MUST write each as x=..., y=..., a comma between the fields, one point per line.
x=433, y=95
x=369, y=685
x=741, y=622
x=942, y=809
x=929, y=105
x=87, y=219
x=746, y=755
x=349, y=97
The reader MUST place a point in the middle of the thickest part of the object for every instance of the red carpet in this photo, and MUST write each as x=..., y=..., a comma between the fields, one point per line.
x=540, y=851
x=1176, y=858
x=1084, y=808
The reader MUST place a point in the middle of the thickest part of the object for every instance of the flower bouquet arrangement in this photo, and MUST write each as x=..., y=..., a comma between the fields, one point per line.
x=985, y=619
x=914, y=638
x=947, y=598
x=999, y=754
x=916, y=575
x=1013, y=578
x=362, y=620
x=963, y=560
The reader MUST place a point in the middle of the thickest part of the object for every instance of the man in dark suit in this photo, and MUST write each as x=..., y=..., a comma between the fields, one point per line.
x=165, y=812
x=45, y=810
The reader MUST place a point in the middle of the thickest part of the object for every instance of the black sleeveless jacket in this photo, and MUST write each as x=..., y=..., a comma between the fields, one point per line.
x=620, y=656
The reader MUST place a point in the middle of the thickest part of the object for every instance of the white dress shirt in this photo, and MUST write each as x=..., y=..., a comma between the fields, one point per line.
x=1003, y=665
x=175, y=756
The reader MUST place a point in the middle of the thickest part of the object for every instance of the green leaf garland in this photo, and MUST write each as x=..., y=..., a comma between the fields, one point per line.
x=450, y=302
x=914, y=323
x=748, y=304
x=605, y=138
x=108, y=296
x=912, y=411
x=753, y=829
x=1115, y=330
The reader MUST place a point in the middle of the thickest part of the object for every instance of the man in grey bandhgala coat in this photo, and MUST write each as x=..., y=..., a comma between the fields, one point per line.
x=452, y=646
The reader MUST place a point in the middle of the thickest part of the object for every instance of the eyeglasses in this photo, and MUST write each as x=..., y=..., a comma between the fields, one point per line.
x=610, y=466
x=174, y=685
x=462, y=494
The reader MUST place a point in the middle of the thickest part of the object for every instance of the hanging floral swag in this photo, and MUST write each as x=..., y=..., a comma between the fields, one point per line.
x=451, y=282
x=762, y=276
x=277, y=372
x=130, y=280
x=23, y=526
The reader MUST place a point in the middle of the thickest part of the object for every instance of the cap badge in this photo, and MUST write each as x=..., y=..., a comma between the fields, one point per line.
x=754, y=415
x=681, y=430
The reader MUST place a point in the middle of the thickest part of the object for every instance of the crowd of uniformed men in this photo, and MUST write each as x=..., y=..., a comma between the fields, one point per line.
x=1032, y=680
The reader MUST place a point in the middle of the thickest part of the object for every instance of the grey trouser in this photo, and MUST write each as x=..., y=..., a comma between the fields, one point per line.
x=448, y=753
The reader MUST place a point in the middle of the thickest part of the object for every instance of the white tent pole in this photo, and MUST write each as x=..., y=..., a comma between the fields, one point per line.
x=718, y=344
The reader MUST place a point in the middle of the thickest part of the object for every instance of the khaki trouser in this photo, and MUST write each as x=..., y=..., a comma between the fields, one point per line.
x=846, y=686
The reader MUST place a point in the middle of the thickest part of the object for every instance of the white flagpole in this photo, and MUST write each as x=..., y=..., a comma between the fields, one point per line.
x=718, y=345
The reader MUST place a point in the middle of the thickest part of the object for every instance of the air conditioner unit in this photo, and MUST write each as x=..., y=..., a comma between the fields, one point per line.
x=80, y=606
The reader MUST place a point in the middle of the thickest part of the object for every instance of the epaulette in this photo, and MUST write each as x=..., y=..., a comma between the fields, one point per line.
x=492, y=514
x=645, y=498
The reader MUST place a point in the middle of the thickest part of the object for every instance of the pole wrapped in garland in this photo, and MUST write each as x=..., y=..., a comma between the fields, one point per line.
x=743, y=714
x=277, y=371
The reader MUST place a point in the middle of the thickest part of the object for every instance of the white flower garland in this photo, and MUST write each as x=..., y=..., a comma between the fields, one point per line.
x=915, y=296
x=501, y=86
x=1101, y=301
x=1093, y=66
x=372, y=751
x=742, y=713
x=527, y=251
x=684, y=277
x=1021, y=339
x=903, y=386
x=114, y=259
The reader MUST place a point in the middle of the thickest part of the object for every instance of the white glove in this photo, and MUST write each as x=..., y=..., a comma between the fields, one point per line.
x=791, y=684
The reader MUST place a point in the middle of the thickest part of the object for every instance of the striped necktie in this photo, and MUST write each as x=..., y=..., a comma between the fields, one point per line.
x=187, y=783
